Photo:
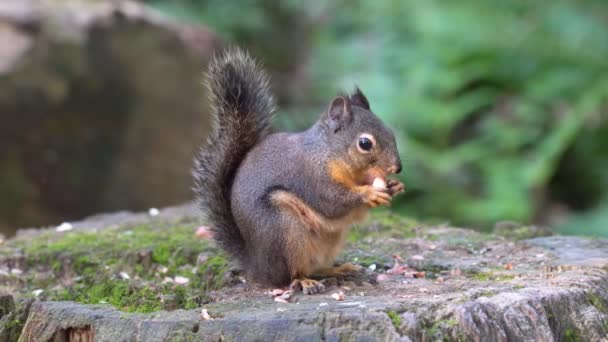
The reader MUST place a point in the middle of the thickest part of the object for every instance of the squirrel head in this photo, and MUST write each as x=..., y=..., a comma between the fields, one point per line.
x=359, y=138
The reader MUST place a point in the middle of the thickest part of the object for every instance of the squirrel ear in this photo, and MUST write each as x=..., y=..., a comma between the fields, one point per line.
x=339, y=113
x=358, y=99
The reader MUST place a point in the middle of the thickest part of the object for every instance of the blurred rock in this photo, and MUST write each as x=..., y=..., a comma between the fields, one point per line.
x=101, y=106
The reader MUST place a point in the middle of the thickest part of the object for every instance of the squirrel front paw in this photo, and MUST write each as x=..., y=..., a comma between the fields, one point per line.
x=394, y=187
x=374, y=196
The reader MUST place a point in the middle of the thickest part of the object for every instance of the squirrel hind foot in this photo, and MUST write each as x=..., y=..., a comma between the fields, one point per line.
x=339, y=271
x=307, y=286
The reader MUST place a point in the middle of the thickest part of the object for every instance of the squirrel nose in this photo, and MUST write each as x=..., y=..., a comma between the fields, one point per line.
x=395, y=168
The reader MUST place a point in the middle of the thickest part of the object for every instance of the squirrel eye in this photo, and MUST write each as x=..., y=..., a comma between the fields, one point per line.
x=365, y=143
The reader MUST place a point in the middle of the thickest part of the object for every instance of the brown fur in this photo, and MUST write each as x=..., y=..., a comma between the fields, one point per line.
x=314, y=241
x=343, y=174
x=282, y=203
x=309, y=218
x=358, y=182
x=338, y=271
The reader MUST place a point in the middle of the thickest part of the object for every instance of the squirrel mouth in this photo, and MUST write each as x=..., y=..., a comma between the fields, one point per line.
x=376, y=178
x=379, y=183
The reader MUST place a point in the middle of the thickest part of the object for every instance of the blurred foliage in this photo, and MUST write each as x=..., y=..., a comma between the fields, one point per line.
x=500, y=106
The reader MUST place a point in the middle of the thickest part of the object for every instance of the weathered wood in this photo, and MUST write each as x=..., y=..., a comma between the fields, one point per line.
x=476, y=287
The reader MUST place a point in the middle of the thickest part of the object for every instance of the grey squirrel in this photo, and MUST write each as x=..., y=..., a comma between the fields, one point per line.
x=282, y=203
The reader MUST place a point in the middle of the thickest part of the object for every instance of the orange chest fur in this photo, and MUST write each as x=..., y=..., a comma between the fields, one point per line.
x=342, y=173
x=314, y=240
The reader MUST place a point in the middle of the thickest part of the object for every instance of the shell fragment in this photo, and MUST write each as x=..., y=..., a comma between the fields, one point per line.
x=379, y=183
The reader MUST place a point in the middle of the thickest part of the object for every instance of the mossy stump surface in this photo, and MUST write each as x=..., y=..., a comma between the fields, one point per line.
x=138, y=277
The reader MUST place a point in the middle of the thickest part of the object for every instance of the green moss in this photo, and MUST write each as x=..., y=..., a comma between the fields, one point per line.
x=132, y=296
x=497, y=275
x=366, y=260
x=56, y=266
x=481, y=276
x=121, y=294
x=355, y=235
x=161, y=254
x=435, y=330
x=571, y=335
x=14, y=324
x=12, y=329
x=184, y=298
x=88, y=250
x=597, y=302
x=432, y=237
x=395, y=318
x=451, y=323
x=210, y=274
x=383, y=223
x=486, y=294
x=466, y=239
x=462, y=299
x=514, y=231
x=139, y=237
x=96, y=260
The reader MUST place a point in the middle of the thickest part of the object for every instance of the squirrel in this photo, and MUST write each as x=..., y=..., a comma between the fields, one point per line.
x=281, y=203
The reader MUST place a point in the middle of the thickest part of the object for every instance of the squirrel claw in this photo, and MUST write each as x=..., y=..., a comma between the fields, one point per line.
x=308, y=286
x=394, y=187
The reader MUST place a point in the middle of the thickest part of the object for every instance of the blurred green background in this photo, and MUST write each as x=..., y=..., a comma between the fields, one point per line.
x=500, y=107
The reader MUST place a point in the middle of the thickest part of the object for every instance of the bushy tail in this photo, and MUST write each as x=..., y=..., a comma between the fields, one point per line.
x=242, y=109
